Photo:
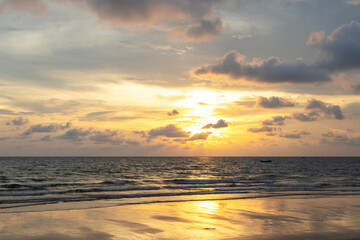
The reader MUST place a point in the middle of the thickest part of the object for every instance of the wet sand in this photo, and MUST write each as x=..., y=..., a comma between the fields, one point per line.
x=265, y=218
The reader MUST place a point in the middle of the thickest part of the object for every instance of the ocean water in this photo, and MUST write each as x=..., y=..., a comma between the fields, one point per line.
x=30, y=181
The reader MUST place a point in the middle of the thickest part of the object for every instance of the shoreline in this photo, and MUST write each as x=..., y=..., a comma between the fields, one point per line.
x=102, y=203
x=295, y=217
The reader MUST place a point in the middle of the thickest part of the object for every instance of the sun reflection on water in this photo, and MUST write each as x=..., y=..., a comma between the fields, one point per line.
x=207, y=206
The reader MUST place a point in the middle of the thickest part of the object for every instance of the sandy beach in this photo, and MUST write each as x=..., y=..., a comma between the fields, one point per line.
x=263, y=218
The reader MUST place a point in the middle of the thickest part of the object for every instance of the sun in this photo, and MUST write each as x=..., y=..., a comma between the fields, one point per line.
x=201, y=105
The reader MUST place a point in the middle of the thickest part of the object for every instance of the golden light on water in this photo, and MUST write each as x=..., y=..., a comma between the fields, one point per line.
x=207, y=206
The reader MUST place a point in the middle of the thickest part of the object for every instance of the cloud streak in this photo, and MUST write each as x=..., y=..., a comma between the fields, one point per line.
x=270, y=71
x=33, y=7
x=173, y=113
x=19, y=121
x=274, y=102
x=40, y=128
x=262, y=129
x=199, y=136
x=221, y=123
x=169, y=131
x=276, y=121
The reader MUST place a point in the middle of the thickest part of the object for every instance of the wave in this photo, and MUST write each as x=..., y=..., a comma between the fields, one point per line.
x=19, y=186
x=225, y=195
x=212, y=181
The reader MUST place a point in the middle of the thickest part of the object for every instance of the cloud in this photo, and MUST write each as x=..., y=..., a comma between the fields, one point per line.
x=276, y=121
x=199, y=136
x=194, y=20
x=97, y=114
x=242, y=36
x=339, y=51
x=142, y=133
x=294, y=135
x=7, y=112
x=348, y=84
x=353, y=2
x=106, y=136
x=170, y=131
x=10, y=112
x=262, y=129
x=75, y=134
x=107, y=116
x=34, y=7
x=52, y=105
x=341, y=48
x=331, y=137
x=332, y=111
x=46, y=138
x=219, y=124
x=271, y=70
x=40, y=128
x=19, y=121
x=306, y=117
x=353, y=108
x=274, y=102
x=173, y=113
x=204, y=30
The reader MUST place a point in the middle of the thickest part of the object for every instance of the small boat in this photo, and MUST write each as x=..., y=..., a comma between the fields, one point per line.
x=268, y=160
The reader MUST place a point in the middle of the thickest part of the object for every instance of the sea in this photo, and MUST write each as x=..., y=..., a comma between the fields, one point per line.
x=47, y=181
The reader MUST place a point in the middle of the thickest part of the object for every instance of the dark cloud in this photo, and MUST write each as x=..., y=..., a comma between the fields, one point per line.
x=173, y=113
x=10, y=112
x=19, y=121
x=332, y=111
x=46, y=138
x=106, y=136
x=204, y=30
x=4, y=138
x=348, y=83
x=142, y=133
x=328, y=134
x=294, y=135
x=331, y=137
x=75, y=134
x=40, y=128
x=271, y=70
x=132, y=142
x=276, y=121
x=107, y=116
x=219, y=124
x=194, y=20
x=341, y=48
x=170, y=131
x=149, y=11
x=262, y=129
x=97, y=114
x=7, y=112
x=199, y=136
x=340, y=51
x=274, y=102
x=306, y=117
x=34, y=7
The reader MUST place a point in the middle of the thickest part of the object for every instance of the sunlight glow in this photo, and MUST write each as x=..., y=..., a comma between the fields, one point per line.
x=207, y=206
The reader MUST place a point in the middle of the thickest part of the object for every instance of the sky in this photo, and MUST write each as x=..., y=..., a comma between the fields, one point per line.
x=179, y=77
